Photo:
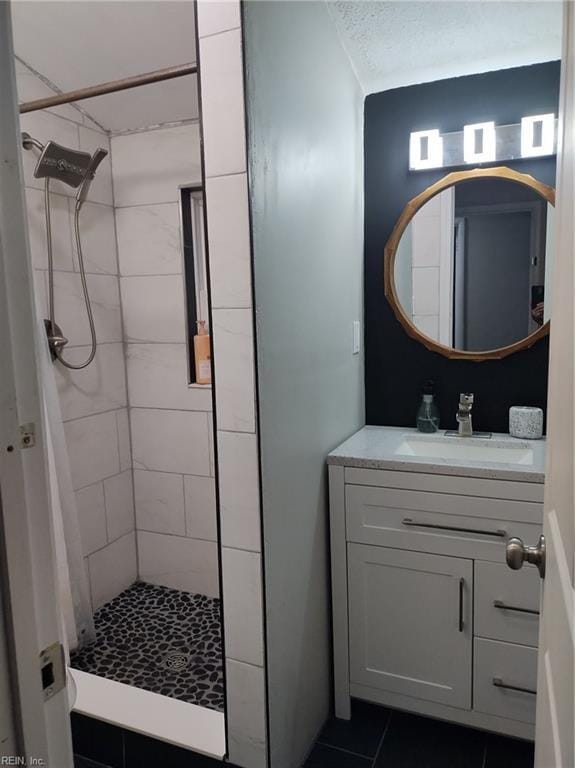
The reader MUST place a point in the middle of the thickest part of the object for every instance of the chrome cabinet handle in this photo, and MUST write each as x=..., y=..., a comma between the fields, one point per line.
x=504, y=607
x=498, y=683
x=461, y=589
x=516, y=553
x=409, y=522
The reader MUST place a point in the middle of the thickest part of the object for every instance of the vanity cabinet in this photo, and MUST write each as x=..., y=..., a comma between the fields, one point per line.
x=427, y=616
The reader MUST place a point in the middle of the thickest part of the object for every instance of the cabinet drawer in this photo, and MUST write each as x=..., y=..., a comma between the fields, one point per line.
x=507, y=603
x=441, y=523
x=499, y=669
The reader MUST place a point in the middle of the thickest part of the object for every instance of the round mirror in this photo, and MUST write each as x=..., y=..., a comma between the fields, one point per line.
x=468, y=264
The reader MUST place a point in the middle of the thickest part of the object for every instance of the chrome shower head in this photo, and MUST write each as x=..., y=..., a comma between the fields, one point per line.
x=62, y=163
x=95, y=161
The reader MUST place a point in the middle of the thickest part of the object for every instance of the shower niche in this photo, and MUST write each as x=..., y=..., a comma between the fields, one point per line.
x=115, y=203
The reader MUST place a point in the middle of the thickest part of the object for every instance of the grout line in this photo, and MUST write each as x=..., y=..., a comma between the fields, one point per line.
x=219, y=32
x=148, y=204
x=383, y=735
x=115, y=409
x=345, y=751
x=484, y=763
x=176, y=535
x=222, y=175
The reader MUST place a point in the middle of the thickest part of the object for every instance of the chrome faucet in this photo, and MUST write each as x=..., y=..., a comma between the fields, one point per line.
x=464, y=414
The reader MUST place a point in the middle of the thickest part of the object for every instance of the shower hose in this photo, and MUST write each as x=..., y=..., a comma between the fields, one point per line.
x=56, y=348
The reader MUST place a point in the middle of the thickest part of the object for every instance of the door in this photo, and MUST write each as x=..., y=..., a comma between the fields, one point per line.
x=496, y=276
x=410, y=623
x=26, y=538
x=555, y=678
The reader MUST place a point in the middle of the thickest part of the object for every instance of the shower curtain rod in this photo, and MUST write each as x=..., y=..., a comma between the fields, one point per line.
x=169, y=73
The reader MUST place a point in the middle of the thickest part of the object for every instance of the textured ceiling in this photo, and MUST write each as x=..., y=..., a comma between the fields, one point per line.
x=76, y=44
x=393, y=44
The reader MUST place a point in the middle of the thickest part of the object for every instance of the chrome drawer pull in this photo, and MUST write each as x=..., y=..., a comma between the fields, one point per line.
x=504, y=607
x=461, y=588
x=498, y=683
x=408, y=521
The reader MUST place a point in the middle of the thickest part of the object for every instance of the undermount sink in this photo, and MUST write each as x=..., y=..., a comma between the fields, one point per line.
x=443, y=446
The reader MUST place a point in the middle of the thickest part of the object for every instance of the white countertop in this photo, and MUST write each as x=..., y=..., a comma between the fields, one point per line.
x=377, y=448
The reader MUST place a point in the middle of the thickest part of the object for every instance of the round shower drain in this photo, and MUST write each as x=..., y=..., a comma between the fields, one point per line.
x=175, y=660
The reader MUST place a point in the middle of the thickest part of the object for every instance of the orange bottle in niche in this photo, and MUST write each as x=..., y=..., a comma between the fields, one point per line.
x=202, y=354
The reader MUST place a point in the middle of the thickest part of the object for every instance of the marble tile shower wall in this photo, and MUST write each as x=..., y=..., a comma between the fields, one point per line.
x=94, y=400
x=221, y=76
x=171, y=421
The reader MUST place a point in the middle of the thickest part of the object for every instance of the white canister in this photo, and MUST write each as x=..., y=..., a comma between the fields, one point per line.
x=526, y=422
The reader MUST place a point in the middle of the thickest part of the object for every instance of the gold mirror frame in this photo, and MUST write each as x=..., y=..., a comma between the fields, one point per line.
x=390, y=251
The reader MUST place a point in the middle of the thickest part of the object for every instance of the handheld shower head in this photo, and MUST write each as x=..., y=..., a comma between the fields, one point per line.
x=95, y=161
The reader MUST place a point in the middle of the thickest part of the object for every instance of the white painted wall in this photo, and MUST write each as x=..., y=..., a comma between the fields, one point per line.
x=170, y=420
x=306, y=170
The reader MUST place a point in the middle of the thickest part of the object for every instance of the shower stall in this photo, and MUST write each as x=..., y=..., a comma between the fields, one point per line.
x=130, y=436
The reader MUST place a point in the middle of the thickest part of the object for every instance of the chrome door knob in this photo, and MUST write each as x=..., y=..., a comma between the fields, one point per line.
x=516, y=553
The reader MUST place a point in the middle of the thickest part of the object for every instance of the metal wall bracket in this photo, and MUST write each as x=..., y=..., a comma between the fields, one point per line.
x=52, y=670
x=28, y=435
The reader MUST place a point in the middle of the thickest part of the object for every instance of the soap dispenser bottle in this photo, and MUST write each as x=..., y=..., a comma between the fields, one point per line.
x=202, y=354
x=428, y=413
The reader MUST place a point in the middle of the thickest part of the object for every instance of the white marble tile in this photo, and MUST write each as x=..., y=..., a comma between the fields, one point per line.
x=92, y=517
x=98, y=238
x=149, y=240
x=151, y=165
x=245, y=699
x=154, y=308
x=159, y=502
x=170, y=441
x=425, y=282
x=71, y=310
x=119, y=495
x=242, y=593
x=47, y=127
x=99, y=387
x=239, y=490
x=217, y=16
x=223, y=104
x=100, y=190
x=179, y=562
x=229, y=239
x=124, y=440
x=158, y=378
x=113, y=569
x=201, y=512
x=40, y=293
x=93, y=448
x=232, y=332
x=61, y=230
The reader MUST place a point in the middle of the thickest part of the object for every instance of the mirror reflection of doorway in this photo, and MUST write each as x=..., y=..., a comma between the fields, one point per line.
x=495, y=268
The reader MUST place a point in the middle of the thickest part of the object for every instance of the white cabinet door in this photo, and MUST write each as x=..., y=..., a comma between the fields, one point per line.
x=410, y=620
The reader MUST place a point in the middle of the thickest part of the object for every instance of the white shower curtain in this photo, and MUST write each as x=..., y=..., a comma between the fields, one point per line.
x=78, y=619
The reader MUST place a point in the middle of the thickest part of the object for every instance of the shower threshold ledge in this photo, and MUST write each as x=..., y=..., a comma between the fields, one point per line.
x=177, y=722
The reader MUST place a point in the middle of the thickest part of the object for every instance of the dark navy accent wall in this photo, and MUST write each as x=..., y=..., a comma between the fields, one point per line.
x=395, y=365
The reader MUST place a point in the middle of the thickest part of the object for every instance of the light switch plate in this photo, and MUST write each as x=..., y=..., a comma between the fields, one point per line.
x=356, y=337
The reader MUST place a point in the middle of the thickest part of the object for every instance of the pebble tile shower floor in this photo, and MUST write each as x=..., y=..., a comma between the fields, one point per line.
x=161, y=640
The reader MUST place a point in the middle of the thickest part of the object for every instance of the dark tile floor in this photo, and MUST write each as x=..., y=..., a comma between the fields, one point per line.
x=102, y=745
x=161, y=640
x=377, y=737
